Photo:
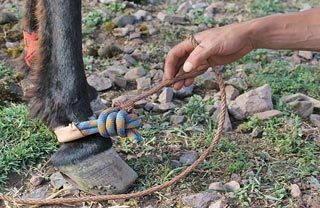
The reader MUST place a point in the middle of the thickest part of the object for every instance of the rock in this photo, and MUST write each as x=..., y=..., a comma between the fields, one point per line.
x=140, y=15
x=257, y=132
x=135, y=73
x=268, y=114
x=314, y=183
x=121, y=99
x=217, y=186
x=163, y=107
x=296, y=59
x=128, y=49
x=232, y=186
x=118, y=80
x=158, y=75
x=109, y=50
x=184, y=8
x=231, y=92
x=135, y=35
x=200, y=200
x=172, y=19
x=99, y=82
x=254, y=101
x=143, y=83
x=166, y=95
x=7, y=17
x=129, y=59
x=115, y=69
x=199, y=5
x=39, y=193
x=120, y=32
x=148, y=106
x=124, y=20
x=140, y=104
x=97, y=104
x=295, y=191
x=57, y=180
x=175, y=164
x=12, y=44
x=301, y=97
x=315, y=120
x=36, y=180
x=306, y=54
x=218, y=204
x=238, y=83
x=174, y=119
x=189, y=157
x=184, y=92
x=211, y=83
x=302, y=108
x=211, y=109
x=227, y=126
x=236, y=177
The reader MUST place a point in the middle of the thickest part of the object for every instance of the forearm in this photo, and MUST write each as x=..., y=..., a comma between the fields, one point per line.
x=299, y=31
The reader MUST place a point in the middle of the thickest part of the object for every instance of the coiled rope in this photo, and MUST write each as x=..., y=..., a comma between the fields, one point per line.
x=128, y=105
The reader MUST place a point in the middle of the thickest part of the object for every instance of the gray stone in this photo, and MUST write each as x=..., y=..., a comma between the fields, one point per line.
x=39, y=193
x=227, y=126
x=7, y=17
x=115, y=69
x=158, y=75
x=172, y=19
x=184, y=8
x=232, y=186
x=217, y=186
x=97, y=105
x=189, y=157
x=12, y=44
x=99, y=82
x=109, y=50
x=36, y=180
x=231, y=92
x=302, y=108
x=148, y=106
x=166, y=95
x=200, y=200
x=295, y=191
x=124, y=20
x=199, y=5
x=175, y=164
x=128, y=49
x=135, y=73
x=121, y=99
x=140, y=15
x=175, y=119
x=143, y=83
x=211, y=109
x=257, y=132
x=301, y=97
x=58, y=181
x=218, y=204
x=306, y=54
x=118, y=80
x=163, y=107
x=129, y=59
x=135, y=35
x=120, y=31
x=268, y=114
x=238, y=83
x=254, y=101
x=315, y=120
x=184, y=92
x=314, y=183
x=103, y=173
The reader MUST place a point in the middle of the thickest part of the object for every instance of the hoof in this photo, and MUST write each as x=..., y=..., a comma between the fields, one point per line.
x=103, y=173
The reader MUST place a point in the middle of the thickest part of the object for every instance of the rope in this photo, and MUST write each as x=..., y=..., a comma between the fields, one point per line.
x=112, y=122
x=127, y=106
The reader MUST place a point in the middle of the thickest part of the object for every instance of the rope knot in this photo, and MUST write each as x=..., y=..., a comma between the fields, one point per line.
x=112, y=122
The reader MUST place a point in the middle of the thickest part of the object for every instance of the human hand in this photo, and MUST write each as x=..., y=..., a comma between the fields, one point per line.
x=217, y=46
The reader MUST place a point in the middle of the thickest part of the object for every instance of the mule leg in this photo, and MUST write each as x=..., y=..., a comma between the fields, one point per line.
x=60, y=96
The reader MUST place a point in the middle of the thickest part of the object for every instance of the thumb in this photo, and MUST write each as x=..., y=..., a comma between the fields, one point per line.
x=196, y=58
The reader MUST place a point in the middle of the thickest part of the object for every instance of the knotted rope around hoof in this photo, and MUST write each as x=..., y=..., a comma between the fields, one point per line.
x=108, y=123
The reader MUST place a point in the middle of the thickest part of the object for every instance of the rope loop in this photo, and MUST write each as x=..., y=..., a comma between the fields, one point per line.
x=112, y=122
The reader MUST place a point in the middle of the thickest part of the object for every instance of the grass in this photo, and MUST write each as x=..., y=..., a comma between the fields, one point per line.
x=22, y=142
x=5, y=72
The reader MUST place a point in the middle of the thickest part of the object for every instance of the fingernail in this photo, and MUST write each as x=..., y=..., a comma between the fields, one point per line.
x=187, y=66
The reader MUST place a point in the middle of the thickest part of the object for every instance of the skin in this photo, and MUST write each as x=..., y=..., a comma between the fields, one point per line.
x=224, y=45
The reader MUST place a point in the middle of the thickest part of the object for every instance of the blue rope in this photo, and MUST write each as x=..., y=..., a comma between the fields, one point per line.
x=112, y=122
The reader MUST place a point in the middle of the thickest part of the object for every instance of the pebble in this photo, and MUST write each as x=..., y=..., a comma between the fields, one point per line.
x=175, y=119
x=166, y=95
x=232, y=186
x=184, y=8
x=238, y=83
x=120, y=32
x=172, y=19
x=200, y=200
x=217, y=186
x=121, y=99
x=99, y=82
x=143, y=83
x=308, y=55
x=7, y=17
x=231, y=92
x=148, y=106
x=39, y=193
x=118, y=80
x=315, y=120
x=36, y=180
x=129, y=59
x=158, y=75
x=268, y=114
x=218, y=204
x=140, y=15
x=135, y=35
x=295, y=191
x=163, y=107
x=184, y=92
x=115, y=69
x=301, y=97
x=302, y=108
x=109, y=50
x=12, y=44
x=189, y=157
x=135, y=73
x=57, y=180
x=124, y=20
x=227, y=126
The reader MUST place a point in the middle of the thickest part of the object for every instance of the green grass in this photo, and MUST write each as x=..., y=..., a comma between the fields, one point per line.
x=22, y=142
x=5, y=72
x=262, y=8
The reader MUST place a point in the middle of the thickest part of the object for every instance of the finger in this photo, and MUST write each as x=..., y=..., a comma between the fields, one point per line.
x=188, y=82
x=220, y=60
x=180, y=84
x=174, y=56
x=196, y=58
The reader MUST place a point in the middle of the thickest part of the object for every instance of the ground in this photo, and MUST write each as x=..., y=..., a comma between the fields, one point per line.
x=285, y=151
